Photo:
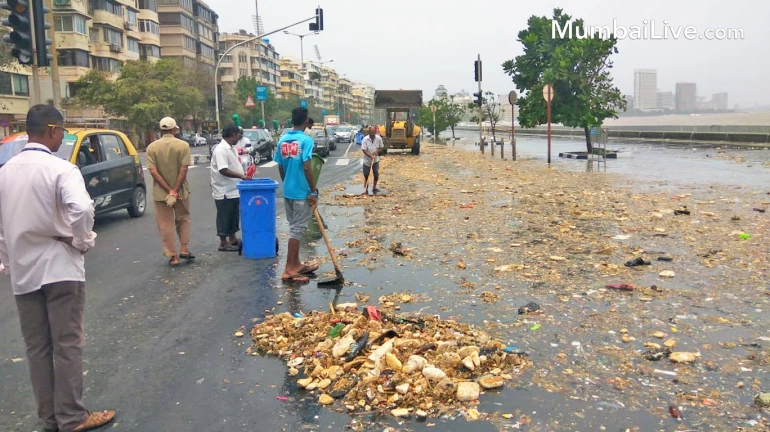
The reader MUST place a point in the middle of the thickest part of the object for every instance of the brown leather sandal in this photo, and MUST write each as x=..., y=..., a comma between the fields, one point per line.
x=95, y=420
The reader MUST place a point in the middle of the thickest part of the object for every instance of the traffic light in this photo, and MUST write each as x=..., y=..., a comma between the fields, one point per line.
x=21, y=36
x=478, y=99
x=477, y=70
x=39, y=14
x=318, y=25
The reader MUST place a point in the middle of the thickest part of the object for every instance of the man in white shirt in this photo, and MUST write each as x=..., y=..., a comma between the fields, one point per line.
x=241, y=142
x=371, y=146
x=43, y=248
x=226, y=172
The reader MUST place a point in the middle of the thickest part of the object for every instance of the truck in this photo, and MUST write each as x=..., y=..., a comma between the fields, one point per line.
x=399, y=131
x=332, y=120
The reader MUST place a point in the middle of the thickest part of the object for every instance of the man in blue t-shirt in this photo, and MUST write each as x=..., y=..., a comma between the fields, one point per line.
x=293, y=154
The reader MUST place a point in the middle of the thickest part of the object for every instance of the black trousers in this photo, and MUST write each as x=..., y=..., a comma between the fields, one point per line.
x=228, y=216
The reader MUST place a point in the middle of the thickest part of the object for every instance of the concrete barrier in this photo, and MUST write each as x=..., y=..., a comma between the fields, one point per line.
x=200, y=159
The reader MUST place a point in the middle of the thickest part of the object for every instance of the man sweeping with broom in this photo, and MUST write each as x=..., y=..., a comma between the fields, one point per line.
x=371, y=146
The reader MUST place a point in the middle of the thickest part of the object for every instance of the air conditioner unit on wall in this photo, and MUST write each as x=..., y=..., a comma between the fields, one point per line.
x=116, y=48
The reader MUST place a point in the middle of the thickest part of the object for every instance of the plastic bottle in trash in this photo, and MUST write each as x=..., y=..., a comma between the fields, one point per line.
x=335, y=331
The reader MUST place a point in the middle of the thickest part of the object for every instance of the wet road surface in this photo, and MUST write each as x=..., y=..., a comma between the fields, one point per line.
x=160, y=348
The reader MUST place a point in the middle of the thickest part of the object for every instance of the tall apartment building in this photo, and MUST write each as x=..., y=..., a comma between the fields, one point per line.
x=441, y=92
x=645, y=89
x=188, y=31
x=364, y=100
x=720, y=101
x=292, y=82
x=666, y=100
x=345, y=98
x=14, y=96
x=686, y=97
x=330, y=82
x=314, y=93
x=257, y=59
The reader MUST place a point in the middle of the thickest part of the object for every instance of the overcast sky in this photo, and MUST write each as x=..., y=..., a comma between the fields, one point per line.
x=419, y=44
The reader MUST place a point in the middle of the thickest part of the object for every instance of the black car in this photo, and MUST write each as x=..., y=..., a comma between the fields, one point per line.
x=322, y=142
x=262, y=144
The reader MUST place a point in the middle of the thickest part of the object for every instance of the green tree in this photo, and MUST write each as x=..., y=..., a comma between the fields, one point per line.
x=578, y=69
x=425, y=116
x=454, y=114
x=143, y=93
x=490, y=111
x=202, y=78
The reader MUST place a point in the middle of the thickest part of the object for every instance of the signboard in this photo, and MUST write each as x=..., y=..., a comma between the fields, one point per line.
x=548, y=92
x=303, y=103
x=261, y=93
x=209, y=126
x=4, y=123
x=512, y=97
x=323, y=111
x=249, y=102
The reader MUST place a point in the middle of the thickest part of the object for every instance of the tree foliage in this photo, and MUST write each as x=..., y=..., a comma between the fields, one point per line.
x=490, y=111
x=578, y=69
x=448, y=115
x=142, y=94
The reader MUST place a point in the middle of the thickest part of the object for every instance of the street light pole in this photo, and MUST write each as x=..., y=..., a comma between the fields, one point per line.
x=229, y=50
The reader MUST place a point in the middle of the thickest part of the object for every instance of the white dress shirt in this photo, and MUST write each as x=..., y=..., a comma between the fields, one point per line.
x=224, y=156
x=43, y=197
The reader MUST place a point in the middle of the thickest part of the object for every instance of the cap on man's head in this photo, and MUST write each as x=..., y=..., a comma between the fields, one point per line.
x=168, y=123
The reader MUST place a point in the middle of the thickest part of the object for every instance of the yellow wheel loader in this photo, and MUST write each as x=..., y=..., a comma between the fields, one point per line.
x=399, y=131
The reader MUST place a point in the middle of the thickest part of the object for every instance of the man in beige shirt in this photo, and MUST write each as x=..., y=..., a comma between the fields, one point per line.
x=168, y=159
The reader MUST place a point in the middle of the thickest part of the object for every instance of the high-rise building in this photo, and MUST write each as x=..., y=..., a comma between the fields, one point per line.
x=345, y=98
x=666, y=100
x=629, y=102
x=686, y=97
x=441, y=92
x=188, y=31
x=364, y=94
x=292, y=84
x=720, y=101
x=330, y=84
x=14, y=96
x=314, y=93
x=256, y=59
x=645, y=89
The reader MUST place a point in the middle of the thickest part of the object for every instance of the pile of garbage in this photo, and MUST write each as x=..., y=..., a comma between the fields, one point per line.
x=372, y=360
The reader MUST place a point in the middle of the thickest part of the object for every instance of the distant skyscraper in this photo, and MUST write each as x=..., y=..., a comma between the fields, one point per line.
x=645, y=89
x=686, y=97
x=666, y=100
x=629, y=102
x=441, y=92
x=720, y=101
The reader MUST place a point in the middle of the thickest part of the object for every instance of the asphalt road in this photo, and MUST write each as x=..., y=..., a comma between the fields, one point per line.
x=159, y=344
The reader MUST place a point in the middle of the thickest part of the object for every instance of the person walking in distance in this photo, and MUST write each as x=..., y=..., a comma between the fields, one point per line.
x=168, y=159
x=293, y=156
x=371, y=145
x=226, y=172
x=46, y=228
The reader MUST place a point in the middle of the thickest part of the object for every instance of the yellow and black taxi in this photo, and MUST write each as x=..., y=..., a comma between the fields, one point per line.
x=108, y=161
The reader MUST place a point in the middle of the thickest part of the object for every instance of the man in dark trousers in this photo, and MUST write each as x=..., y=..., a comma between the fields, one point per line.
x=46, y=228
x=226, y=173
x=293, y=155
x=371, y=146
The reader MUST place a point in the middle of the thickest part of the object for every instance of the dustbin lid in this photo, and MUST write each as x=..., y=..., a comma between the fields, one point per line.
x=257, y=184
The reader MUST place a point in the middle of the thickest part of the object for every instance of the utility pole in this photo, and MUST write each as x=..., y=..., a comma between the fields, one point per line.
x=433, y=108
x=259, y=57
x=35, y=74
x=548, y=96
x=512, y=98
x=55, y=62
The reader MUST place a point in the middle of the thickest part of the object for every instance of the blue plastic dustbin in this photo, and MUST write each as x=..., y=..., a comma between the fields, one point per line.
x=258, y=214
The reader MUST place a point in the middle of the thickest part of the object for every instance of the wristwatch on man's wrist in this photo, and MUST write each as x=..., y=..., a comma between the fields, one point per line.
x=314, y=193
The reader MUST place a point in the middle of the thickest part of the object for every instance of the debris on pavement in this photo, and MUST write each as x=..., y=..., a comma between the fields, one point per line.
x=399, y=365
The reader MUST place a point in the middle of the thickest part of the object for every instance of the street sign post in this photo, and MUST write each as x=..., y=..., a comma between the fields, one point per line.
x=303, y=103
x=433, y=109
x=548, y=96
x=249, y=102
x=512, y=98
x=261, y=93
x=323, y=111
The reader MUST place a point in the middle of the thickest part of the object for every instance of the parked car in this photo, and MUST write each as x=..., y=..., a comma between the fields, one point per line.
x=284, y=131
x=262, y=144
x=108, y=161
x=321, y=140
x=344, y=134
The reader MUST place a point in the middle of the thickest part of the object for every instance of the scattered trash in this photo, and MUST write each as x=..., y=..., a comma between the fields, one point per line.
x=682, y=211
x=759, y=210
x=744, y=236
x=282, y=398
x=665, y=258
x=638, y=261
x=674, y=411
x=762, y=400
x=529, y=307
x=667, y=273
x=416, y=363
x=238, y=334
x=622, y=287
